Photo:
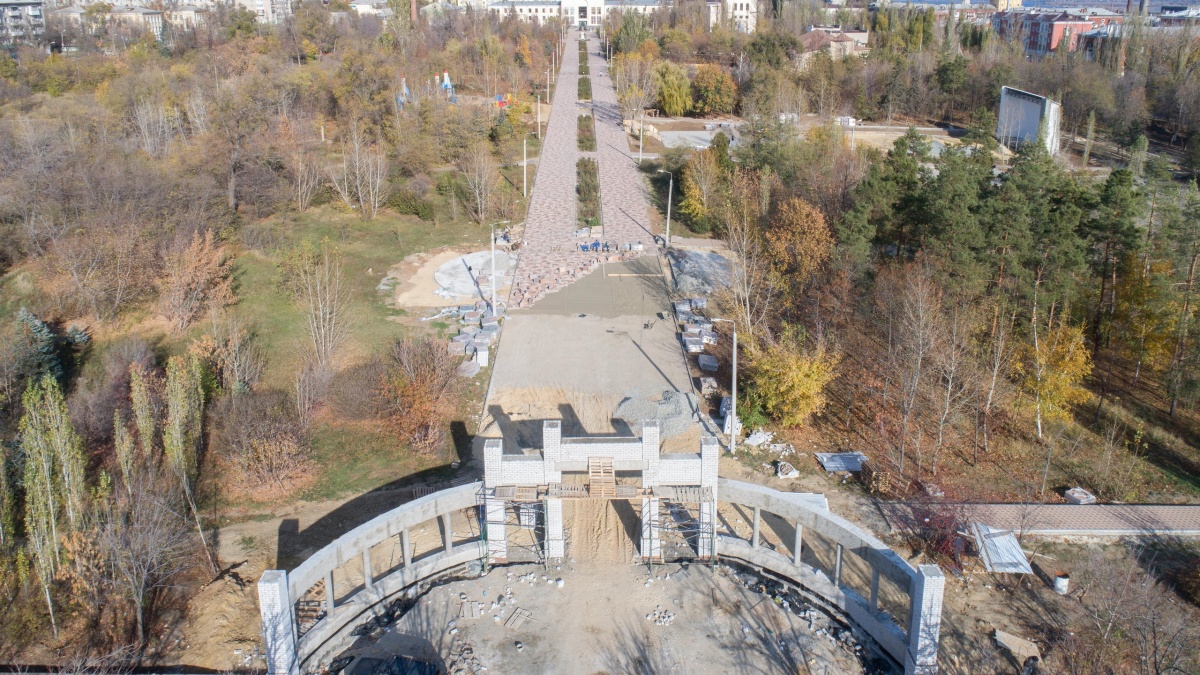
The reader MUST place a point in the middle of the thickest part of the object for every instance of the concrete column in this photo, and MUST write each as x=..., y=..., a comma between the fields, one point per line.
x=651, y=544
x=837, y=566
x=493, y=462
x=551, y=450
x=447, y=533
x=330, y=600
x=368, y=577
x=710, y=455
x=650, y=453
x=279, y=625
x=798, y=544
x=405, y=547
x=707, y=544
x=754, y=534
x=924, y=628
x=555, y=542
x=497, y=532
x=874, y=589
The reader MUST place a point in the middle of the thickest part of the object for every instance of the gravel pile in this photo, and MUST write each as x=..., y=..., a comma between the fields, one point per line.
x=676, y=411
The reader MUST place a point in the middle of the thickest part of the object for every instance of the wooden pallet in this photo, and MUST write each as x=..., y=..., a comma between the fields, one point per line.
x=602, y=482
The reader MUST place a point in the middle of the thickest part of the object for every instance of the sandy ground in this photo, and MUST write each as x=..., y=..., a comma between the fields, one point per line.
x=604, y=619
x=416, y=284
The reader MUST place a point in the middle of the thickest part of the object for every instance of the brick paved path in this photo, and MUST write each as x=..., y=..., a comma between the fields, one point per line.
x=550, y=256
x=1100, y=520
x=623, y=201
x=1095, y=519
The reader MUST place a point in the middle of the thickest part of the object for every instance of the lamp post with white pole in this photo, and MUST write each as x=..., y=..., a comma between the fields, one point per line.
x=733, y=426
x=525, y=164
x=670, y=193
x=494, y=283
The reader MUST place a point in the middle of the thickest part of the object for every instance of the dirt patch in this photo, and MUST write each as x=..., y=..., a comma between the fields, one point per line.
x=616, y=619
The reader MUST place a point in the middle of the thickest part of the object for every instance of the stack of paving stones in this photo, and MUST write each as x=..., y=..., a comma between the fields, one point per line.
x=551, y=254
x=479, y=331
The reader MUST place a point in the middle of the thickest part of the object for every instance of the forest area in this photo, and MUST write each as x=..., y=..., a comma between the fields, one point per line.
x=987, y=326
x=994, y=324
x=192, y=231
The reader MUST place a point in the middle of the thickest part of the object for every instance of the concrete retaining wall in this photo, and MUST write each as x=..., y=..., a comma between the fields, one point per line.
x=914, y=644
x=912, y=640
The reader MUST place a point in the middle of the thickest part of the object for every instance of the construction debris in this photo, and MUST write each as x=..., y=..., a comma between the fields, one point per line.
x=1078, y=495
x=1000, y=550
x=841, y=461
x=785, y=470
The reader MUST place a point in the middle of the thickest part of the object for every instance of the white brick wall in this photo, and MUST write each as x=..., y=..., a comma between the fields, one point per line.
x=679, y=469
x=278, y=625
x=710, y=454
x=555, y=546
x=627, y=449
x=493, y=452
x=552, y=450
x=925, y=627
x=522, y=470
x=650, y=454
x=497, y=532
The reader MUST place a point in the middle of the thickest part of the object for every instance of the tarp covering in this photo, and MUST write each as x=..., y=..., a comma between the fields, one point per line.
x=1000, y=550
x=841, y=461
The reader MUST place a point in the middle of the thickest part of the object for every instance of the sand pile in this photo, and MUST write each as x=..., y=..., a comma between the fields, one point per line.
x=601, y=530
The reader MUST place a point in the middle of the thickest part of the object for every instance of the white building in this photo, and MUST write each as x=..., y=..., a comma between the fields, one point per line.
x=268, y=11
x=741, y=15
x=21, y=20
x=1023, y=116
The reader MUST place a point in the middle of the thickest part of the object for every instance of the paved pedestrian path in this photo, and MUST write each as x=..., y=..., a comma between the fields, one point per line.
x=550, y=252
x=624, y=204
x=1096, y=520
x=1092, y=519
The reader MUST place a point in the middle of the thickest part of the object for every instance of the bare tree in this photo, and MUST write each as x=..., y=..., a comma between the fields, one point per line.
x=361, y=178
x=306, y=178
x=482, y=178
x=952, y=361
x=155, y=125
x=911, y=297
x=146, y=540
x=751, y=288
x=237, y=354
x=324, y=299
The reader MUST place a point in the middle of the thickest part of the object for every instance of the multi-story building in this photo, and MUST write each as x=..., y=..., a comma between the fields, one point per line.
x=21, y=21
x=1043, y=31
x=741, y=15
x=268, y=11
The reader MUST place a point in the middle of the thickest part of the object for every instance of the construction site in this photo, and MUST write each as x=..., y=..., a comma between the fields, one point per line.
x=589, y=530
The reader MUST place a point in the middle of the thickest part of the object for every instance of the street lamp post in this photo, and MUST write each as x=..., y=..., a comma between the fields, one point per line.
x=733, y=426
x=494, y=284
x=538, y=105
x=670, y=193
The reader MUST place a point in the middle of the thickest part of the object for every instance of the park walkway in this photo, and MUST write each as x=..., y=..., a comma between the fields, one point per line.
x=550, y=252
x=1090, y=520
x=624, y=204
x=1066, y=520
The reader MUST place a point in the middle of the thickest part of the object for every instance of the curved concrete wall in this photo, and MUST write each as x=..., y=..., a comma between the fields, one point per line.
x=890, y=632
x=914, y=644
